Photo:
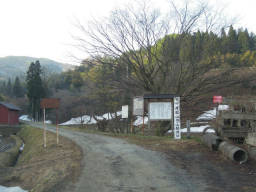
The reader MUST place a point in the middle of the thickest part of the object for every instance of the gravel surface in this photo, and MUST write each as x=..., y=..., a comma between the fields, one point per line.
x=112, y=164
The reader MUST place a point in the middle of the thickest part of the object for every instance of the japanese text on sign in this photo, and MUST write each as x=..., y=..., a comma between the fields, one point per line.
x=138, y=106
x=160, y=111
x=177, y=132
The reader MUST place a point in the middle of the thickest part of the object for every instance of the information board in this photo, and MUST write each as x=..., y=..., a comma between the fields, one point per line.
x=124, y=111
x=138, y=106
x=50, y=103
x=176, y=116
x=160, y=111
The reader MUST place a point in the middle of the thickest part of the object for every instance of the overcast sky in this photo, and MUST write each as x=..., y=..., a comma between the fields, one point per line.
x=43, y=28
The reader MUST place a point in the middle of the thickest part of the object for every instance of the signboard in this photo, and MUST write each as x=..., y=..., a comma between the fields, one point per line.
x=176, y=116
x=160, y=111
x=217, y=99
x=50, y=103
x=138, y=106
x=124, y=111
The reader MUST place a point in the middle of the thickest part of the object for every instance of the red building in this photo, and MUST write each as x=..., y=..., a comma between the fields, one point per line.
x=9, y=114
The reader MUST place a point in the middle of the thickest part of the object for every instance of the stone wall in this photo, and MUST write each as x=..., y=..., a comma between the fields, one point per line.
x=251, y=139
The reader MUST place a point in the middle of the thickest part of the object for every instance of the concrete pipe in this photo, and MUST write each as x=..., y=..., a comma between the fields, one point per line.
x=212, y=141
x=233, y=152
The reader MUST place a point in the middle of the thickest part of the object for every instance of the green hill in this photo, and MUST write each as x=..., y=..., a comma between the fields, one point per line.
x=13, y=66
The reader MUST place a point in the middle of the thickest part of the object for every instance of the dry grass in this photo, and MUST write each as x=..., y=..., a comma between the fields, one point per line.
x=44, y=169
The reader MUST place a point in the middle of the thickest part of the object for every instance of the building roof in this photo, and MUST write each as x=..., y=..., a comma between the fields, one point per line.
x=10, y=106
x=159, y=96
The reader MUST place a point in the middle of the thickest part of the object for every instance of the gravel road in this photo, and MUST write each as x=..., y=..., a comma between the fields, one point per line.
x=111, y=164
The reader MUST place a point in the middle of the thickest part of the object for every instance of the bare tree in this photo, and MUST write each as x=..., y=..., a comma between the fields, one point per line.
x=134, y=37
x=193, y=15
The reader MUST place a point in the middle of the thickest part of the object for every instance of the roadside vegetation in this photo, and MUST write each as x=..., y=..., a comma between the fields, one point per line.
x=40, y=169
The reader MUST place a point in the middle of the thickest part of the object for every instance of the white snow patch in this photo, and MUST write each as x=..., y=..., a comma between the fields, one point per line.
x=25, y=118
x=48, y=121
x=80, y=120
x=199, y=129
x=211, y=114
x=88, y=120
x=11, y=189
x=207, y=115
x=139, y=121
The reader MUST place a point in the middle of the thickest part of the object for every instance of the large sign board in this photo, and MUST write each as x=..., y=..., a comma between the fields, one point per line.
x=138, y=105
x=176, y=116
x=160, y=111
x=50, y=103
x=124, y=111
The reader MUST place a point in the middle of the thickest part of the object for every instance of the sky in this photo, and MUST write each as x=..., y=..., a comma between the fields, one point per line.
x=44, y=28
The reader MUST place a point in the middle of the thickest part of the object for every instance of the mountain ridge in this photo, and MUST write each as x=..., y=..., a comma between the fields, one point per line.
x=12, y=66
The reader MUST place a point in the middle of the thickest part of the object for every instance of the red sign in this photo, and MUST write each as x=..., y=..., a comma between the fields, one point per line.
x=217, y=99
x=50, y=103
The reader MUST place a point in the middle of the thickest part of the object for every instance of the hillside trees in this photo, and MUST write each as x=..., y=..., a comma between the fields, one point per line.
x=138, y=39
x=18, y=90
x=35, y=88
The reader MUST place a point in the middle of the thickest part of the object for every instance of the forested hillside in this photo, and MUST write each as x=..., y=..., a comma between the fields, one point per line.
x=206, y=63
x=210, y=63
x=132, y=54
x=13, y=66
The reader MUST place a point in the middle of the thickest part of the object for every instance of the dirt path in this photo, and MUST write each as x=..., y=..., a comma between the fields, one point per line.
x=112, y=164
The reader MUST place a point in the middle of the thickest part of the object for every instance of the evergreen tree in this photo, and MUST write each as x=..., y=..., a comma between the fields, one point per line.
x=17, y=88
x=244, y=40
x=233, y=45
x=224, y=41
x=35, y=89
x=252, y=41
x=9, y=88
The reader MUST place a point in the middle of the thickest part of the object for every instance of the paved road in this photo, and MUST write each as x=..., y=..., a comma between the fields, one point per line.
x=112, y=164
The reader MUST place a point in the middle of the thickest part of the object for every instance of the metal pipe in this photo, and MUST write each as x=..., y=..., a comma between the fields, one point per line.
x=233, y=152
x=212, y=141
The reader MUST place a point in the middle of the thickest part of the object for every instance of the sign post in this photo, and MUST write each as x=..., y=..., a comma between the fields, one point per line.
x=51, y=103
x=177, y=132
x=138, y=109
x=217, y=100
x=125, y=113
x=44, y=130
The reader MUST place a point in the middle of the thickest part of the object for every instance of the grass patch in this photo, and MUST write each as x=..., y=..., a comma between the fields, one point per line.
x=42, y=169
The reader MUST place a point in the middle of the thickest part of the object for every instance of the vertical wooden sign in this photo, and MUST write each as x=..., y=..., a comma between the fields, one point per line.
x=176, y=115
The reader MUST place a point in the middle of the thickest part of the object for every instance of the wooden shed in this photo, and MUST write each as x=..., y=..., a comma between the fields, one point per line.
x=9, y=114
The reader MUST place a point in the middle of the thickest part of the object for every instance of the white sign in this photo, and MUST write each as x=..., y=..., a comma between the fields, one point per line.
x=138, y=105
x=124, y=111
x=160, y=111
x=177, y=132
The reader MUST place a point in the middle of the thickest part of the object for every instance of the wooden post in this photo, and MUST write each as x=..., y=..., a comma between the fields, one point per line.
x=126, y=122
x=57, y=125
x=44, y=130
x=188, y=129
x=131, y=125
x=217, y=108
x=143, y=124
x=149, y=116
